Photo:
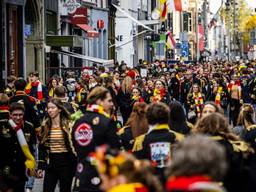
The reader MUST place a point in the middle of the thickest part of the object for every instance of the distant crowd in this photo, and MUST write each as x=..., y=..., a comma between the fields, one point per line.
x=156, y=127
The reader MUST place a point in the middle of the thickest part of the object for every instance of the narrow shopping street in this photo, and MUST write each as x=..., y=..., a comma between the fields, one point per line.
x=128, y=95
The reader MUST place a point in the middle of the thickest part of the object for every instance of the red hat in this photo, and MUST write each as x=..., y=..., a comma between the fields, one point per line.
x=131, y=74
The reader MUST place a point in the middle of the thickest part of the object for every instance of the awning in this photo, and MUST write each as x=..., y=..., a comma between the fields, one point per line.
x=89, y=30
x=150, y=22
x=104, y=62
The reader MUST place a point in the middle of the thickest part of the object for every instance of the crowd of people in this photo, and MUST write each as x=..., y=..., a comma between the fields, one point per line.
x=156, y=127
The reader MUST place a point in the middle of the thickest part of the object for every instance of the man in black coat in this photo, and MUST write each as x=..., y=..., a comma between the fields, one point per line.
x=12, y=167
x=29, y=102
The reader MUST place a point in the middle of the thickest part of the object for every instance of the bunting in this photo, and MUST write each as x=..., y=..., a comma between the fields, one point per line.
x=163, y=9
x=170, y=42
x=177, y=5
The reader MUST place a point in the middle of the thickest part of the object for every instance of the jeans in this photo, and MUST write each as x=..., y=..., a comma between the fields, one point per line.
x=30, y=183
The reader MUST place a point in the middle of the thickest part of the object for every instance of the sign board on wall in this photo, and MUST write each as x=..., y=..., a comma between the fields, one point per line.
x=27, y=30
x=71, y=5
x=124, y=28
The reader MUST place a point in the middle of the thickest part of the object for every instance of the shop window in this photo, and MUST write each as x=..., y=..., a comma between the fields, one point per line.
x=51, y=23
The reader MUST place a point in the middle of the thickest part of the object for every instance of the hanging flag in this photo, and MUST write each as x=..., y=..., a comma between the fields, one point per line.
x=170, y=42
x=201, y=37
x=178, y=5
x=171, y=6
x=163, y=9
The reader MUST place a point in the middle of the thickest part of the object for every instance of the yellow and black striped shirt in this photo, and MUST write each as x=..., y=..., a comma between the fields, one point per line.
x=57, y=143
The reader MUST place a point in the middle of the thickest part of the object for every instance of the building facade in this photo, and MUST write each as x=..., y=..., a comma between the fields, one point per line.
x=13, y=58
x=22, y=37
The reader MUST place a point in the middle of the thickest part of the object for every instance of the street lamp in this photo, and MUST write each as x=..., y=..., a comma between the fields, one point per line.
x=197, y=35
x=229, y=26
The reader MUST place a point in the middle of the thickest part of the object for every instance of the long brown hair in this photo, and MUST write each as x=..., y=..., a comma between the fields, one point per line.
x=47, y=123
x=246, y=115
x=215, y=124
x=138, y=120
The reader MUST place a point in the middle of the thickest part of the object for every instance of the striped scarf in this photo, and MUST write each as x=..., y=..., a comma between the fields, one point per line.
x=218, y=95
x=158, y=95
x=97, y=109
x=39, y=86
x=4, y=108
x=199, y=102
x=28, y=88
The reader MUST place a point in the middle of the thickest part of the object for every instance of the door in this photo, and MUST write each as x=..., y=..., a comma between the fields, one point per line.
x=12, y=40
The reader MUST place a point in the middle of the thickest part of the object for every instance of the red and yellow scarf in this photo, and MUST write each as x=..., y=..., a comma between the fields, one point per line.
x=158, y=95
x=129, y=187
x=199, y=102
x=4, y=109
x=37, y=84
x=97, y=109
x=218, y=95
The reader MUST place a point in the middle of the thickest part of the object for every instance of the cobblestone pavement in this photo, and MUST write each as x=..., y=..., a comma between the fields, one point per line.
x=38, y=186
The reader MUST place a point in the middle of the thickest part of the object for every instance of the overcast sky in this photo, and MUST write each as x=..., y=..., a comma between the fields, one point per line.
x=251, y=3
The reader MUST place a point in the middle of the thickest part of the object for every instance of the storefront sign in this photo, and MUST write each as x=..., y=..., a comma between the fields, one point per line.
x=71, y=6
x=27, y=30
x=100, y=24
x=119, y=38
x=64, y=41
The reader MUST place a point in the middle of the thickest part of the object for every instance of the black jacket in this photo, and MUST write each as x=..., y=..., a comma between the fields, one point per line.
x=156, y=146
x=30, y=114
x=126, y=138
x=44, y=148
x=92, y=130
x=12, y=158
x=237, y=176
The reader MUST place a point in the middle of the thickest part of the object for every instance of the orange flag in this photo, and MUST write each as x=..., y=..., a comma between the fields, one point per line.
x=178, y=5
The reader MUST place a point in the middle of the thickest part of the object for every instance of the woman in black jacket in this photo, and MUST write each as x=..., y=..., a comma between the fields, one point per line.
x=238, y=177
x=56, y=152
x=124, y=99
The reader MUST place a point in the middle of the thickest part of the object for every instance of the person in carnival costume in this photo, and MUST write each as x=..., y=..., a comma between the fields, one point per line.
x=91, y=130
x=122, y=172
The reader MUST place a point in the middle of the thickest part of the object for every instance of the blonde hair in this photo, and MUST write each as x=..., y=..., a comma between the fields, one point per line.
x=127, y=84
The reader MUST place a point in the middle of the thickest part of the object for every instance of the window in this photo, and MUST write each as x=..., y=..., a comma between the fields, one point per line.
x=160, y=47
x=187, y=22
x=51, y=23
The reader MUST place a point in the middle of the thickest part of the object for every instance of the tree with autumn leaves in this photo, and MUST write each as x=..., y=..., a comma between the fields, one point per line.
x=245, y=20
